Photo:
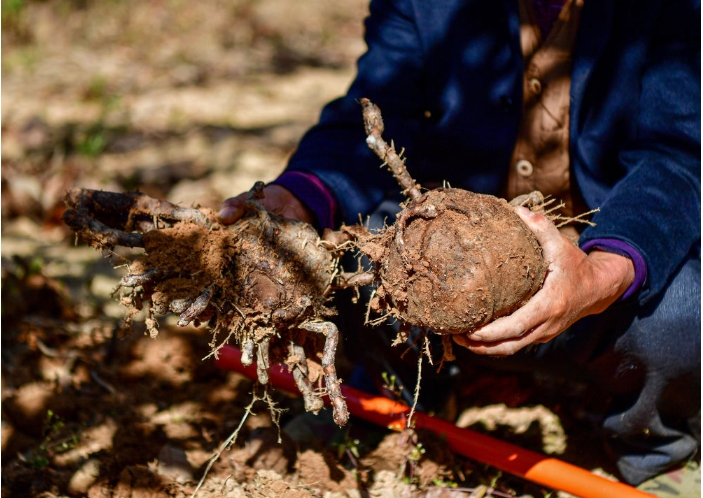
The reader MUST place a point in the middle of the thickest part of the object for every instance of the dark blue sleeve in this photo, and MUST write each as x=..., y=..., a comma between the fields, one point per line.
x=656, y=206
x=390, y=74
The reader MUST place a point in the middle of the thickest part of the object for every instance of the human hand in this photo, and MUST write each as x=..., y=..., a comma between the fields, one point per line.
x=577, y=285
x=277, y=199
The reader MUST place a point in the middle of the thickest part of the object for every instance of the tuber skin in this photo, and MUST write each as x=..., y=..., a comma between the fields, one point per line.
x=454, y=261
x=577, y=285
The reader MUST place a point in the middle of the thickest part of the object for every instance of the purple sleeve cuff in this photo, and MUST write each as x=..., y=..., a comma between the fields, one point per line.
x=311, y=192
x=623, y=249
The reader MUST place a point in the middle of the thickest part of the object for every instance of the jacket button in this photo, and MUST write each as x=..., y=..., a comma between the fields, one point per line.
x=524, y=168
x=535, y=85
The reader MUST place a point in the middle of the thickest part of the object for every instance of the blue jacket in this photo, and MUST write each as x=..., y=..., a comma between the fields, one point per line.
x=447, y=75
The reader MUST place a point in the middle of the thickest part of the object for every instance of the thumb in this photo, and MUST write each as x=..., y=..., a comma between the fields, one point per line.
x=232, y=209
x=546, y=233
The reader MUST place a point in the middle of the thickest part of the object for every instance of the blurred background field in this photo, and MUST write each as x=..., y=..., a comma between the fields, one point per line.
x=191, y=101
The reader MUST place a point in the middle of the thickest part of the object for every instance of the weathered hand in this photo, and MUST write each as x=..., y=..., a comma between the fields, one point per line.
x=277, y=199
x=577, y=285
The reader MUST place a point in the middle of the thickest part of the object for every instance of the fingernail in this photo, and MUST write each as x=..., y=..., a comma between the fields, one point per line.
x=527, y=214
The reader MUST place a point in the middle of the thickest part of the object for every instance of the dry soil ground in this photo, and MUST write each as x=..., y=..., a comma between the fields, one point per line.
x=191, y=102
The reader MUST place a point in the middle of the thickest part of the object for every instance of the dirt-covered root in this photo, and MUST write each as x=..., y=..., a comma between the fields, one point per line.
x=132, y=210
x=263, y=361
x=297, y=362
x=533, y=201
x=109, y=219
x=99, y=235
x=262, y=282
x=373, y=124
x=454, y=260
x=340, y=413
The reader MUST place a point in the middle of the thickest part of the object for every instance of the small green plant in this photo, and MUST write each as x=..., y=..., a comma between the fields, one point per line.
x=15, y=22
x=389, y=383
x=93, y=144
x=36, y=264
x=53, y=423
x=441, y=483
x=38, y=460
x=495, y=479
x=416, y=453
x=55, y=441
x=350, y=448
x=412, y=461
x=11, y=10
x=97, y=89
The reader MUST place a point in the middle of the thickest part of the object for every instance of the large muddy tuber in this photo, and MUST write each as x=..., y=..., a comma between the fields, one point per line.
x=453, y=260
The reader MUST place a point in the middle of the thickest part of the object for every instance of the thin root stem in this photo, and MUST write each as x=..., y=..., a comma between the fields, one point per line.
x=226, y=444
x=262, y=361
x=232, y=330
x=368, y=307
x=428, y=352
x=579, y=218
x=299, y=367
x=373, y=123
x=331, y=333
x=416, y=394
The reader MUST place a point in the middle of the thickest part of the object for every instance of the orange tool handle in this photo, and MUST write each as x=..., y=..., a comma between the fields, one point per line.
x=527, y=464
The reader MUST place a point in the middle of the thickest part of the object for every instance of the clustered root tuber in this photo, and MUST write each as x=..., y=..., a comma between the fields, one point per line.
x=264, y=282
